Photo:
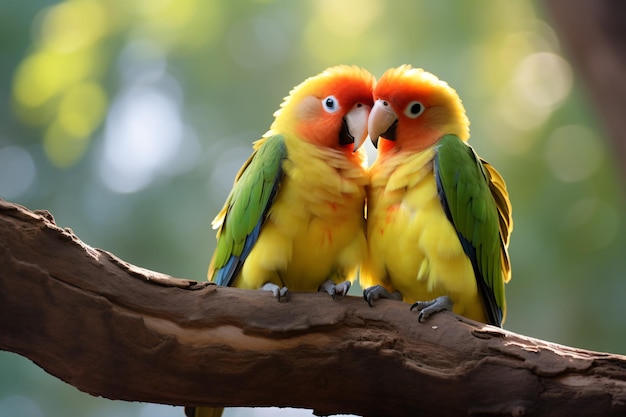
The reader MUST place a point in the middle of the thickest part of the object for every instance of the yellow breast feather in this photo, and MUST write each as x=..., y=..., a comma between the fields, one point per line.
x=315, y=227
x=404, y=207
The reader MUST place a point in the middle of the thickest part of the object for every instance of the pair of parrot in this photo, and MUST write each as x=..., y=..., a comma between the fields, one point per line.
x=438, y=216
x=436, y=227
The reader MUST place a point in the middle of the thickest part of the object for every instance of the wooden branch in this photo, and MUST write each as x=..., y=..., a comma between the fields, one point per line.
x=122, y=332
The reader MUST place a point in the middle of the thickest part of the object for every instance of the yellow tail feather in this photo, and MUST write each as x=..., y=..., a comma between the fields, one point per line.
x=203, y=412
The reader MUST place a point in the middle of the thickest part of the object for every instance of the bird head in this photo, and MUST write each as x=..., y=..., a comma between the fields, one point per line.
x=330, y=109
x=413, y=109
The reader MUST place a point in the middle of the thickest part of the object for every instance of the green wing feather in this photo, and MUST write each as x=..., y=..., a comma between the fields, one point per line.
x=246, y=208
x=475, y=199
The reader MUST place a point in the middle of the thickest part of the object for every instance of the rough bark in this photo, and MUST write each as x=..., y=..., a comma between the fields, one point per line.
x=118, y=331
x=594, y=35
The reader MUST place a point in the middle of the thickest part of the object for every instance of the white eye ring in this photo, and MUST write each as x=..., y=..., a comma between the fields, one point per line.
x=330, y=104
x=414, y=109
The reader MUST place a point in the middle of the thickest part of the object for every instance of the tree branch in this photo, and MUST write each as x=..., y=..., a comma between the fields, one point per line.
x=122, y=332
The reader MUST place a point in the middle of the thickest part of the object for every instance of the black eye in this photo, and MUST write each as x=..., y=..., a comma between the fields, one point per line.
x=330, y=104
x=414, y=109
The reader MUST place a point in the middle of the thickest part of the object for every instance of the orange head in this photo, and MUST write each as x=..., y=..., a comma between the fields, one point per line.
x=413, y=109
x=330, y=109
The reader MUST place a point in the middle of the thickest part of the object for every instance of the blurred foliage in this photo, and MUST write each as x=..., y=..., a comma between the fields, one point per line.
x=129, y=120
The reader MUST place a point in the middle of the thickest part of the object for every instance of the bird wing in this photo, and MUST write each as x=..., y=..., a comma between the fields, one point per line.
x=476, y=202
x=242, y=217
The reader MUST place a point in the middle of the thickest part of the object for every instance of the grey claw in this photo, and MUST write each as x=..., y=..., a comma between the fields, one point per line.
x=282, y=294
x=279, y=293
x=368, y=295
x=340, y=289
x=378, y=291
x=428, y=308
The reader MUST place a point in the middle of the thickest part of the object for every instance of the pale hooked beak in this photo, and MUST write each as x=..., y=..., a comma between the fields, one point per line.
x=381, y=119
x=356, y=120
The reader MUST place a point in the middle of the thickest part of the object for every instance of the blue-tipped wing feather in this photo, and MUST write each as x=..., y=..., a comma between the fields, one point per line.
x=247, y=207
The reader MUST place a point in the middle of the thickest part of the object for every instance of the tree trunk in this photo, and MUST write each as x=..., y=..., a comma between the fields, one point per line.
x=122, y=332
x=594, y=35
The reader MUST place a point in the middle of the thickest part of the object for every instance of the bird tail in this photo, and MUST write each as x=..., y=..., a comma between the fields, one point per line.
x=203, y=412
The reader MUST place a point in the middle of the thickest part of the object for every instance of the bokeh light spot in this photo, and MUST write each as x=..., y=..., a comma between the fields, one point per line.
x=17, y=405
x=538, y=86
x=17, y=171
x=543, y=80
x=71, y=25
x=62, y=149
x=349, y=18
x=336, y=33
x=168, y=14
x=179, y=24
x=573, y=153
x=142, y=135
x=82, y=108
x=43, y=75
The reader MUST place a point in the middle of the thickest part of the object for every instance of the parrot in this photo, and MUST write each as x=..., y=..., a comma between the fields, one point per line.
x=438, y=216
x=295, y=217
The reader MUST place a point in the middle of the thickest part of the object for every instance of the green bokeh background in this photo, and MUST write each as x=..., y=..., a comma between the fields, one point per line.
x=129, y=120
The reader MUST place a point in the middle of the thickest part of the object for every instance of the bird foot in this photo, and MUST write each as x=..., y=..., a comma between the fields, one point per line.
x=279, y=293
x=378, y=291
x=333, y=289
x=428, y=308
